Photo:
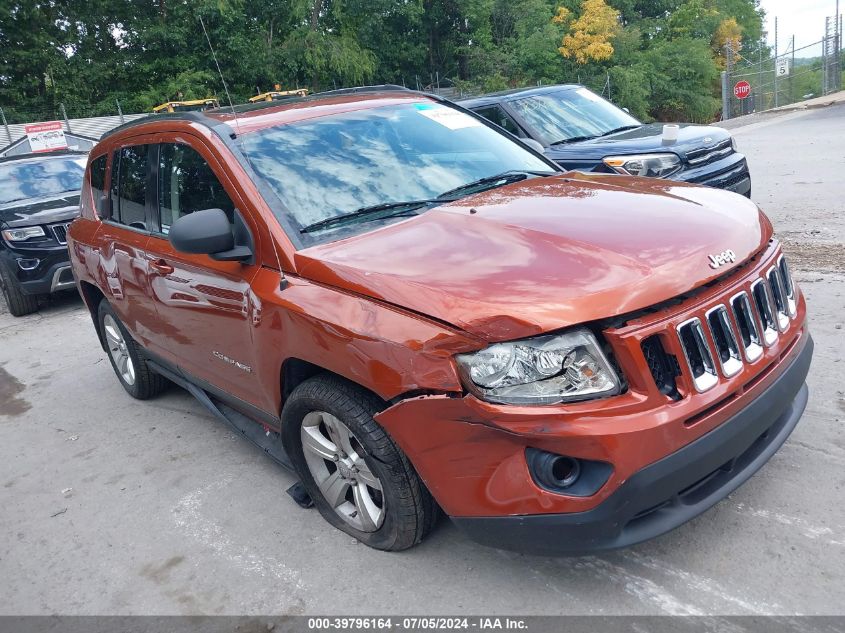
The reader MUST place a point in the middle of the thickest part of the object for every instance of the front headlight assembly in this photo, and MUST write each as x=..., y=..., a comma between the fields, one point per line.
x=651, y=165
x=24, y=233
x=543, y=370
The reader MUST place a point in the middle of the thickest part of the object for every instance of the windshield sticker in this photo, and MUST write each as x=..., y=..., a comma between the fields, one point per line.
x=452, y=119
x=587, y=94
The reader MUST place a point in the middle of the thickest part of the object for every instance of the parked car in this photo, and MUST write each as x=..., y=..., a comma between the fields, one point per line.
x=413, y=310
x=39, y=197
x=580, y=130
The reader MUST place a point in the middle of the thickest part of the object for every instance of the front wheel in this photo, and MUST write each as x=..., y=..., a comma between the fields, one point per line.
x=19, y=303
x=359, y=479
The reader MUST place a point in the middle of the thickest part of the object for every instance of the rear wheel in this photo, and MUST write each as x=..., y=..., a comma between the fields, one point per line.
x=19, y=303
x=360, y=480
x=127, y=358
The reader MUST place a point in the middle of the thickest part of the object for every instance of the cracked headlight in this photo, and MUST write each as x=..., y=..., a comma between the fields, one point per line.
x=543, y=370
x=652, y=165
x=23, y=233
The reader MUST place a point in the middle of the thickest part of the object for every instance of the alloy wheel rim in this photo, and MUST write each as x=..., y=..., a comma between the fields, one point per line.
x=335, y=459
x=119, y=351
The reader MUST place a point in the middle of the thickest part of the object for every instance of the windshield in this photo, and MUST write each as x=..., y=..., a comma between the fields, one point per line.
x=331, y=166
x=569, y=114
x=33, y=179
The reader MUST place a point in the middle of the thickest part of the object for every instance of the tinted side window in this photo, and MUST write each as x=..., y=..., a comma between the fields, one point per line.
x=187, y=184
x=132, y=187
x=500, y=118
x=98, y=177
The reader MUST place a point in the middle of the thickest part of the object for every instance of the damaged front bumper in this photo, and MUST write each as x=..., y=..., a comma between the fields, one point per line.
x=475, y=465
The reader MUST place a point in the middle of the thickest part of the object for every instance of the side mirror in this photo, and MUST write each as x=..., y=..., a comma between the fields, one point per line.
x=208, y=232
x=626, y=110
x=104, y=207
x=535, y=145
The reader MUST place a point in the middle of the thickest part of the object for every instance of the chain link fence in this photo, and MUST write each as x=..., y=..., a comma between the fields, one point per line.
x=782, y=77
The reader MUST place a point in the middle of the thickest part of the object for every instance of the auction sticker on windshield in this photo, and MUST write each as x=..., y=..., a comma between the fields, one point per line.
x=448, y=117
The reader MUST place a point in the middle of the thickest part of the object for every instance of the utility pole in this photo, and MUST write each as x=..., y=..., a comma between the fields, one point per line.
x=726, y=79
x=776, y=60
x=758, y=93
x=837, y=66
x=792, y=98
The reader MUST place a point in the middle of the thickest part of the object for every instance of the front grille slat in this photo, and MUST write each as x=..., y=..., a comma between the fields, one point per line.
x=749, y=332
x=788, y=286
x=708, y=155
x=697, y=352
x=764, y=311
x=779, y=296
x=727, y=347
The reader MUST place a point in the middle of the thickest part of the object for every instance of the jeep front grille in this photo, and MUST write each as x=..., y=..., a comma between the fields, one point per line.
x=60, y=231
x=731, y=334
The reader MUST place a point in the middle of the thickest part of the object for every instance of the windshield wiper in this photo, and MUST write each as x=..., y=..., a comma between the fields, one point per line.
x=574, y=139
x=506, y=177
x=372, y=212
x=409, y=207
x=620, y=129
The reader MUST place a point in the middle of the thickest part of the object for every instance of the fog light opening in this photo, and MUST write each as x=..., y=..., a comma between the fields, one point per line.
x=565, y=471
x=556, y=472
x=28, y=264
x=565, y=475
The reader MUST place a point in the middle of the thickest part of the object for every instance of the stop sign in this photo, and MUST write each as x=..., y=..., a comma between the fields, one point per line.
x=742, y=89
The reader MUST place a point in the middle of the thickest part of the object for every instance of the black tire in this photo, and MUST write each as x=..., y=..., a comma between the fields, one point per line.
x=147, y=383
x=20, y=304
x=410, y=511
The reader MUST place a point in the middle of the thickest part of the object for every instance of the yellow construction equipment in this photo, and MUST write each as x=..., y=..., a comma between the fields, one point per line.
x=186, y=106
x=278, y=95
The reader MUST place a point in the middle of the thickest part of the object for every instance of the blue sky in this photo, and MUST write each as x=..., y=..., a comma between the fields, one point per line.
x=802, y=18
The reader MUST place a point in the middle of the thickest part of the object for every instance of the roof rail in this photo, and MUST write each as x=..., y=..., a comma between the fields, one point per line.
x=379, y=88
x=200, y=116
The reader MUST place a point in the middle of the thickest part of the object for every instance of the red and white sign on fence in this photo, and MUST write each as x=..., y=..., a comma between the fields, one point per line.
x=742, y=89
x=46, y=137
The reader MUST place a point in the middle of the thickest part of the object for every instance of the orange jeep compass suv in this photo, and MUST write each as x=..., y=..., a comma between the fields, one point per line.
x=416, y=311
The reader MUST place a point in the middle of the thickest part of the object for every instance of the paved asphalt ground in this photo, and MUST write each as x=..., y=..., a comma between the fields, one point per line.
x=112, y=506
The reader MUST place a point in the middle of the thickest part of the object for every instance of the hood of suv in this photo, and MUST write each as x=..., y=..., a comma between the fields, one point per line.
x=44, y=210
x=644, y=139
x=546, y=253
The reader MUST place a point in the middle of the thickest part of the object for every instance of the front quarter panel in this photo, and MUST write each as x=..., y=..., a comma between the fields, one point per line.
x=388, y=351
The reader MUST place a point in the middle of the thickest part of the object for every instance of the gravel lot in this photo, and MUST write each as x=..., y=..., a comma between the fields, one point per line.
x=112, y=506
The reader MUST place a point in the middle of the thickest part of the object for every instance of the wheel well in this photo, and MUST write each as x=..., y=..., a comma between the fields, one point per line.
x=92, y=296
x=295, y=372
